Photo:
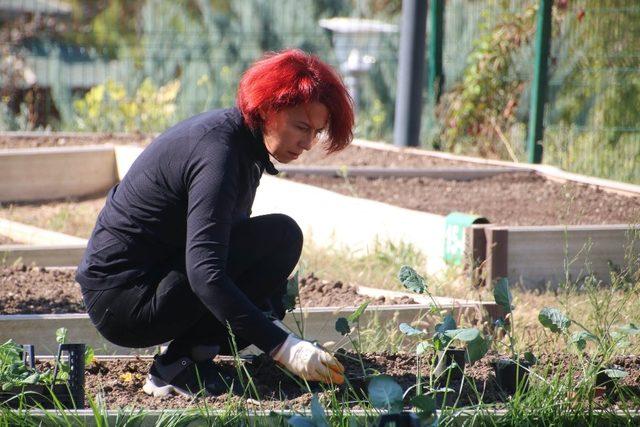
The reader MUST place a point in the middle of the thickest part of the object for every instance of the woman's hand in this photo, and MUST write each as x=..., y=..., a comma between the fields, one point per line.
x=309, y=362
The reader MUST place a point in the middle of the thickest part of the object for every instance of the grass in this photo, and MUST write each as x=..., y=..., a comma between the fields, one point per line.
x=597, y=307
x=76, y=218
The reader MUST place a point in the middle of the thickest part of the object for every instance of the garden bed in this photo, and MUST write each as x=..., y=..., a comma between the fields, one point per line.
x=35, y=290
x=35, y=140
x=522, y=198
x=121, y=380
x=507, y=199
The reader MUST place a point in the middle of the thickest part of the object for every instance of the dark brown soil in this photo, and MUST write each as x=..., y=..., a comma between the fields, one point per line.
x=521, y=198
x=54, y=140
x=361, y=156
x=40, y=291
x=121, y=381
x=36, y=290
x=323, y=293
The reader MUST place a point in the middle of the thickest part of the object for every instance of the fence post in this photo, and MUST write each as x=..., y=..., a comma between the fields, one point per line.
x=406, y=129
x=436, y=75
x=539, y=84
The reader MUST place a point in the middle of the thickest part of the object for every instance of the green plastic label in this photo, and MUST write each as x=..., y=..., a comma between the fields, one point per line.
x=455, y=223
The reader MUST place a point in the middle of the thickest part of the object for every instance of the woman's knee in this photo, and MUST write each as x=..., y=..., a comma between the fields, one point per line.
x=290, y=231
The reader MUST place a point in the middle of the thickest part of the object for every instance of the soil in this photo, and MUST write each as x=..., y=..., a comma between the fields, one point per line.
x=120, y=381
x=38, y=290
x=361, y=156
x=315, y=292
x=521, y=198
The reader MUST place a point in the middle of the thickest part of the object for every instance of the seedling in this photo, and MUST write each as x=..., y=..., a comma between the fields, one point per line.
x=344, y=328
x=19, y=382
x=446, y=332
x=606, y=375
x=511, y=373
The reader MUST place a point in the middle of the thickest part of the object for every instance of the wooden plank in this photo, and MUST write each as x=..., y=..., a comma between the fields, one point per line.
x=476, y=254
x=279, y=417
x=43, y=255
x=546, y=171
x=545, y=256
x=497, y=253
x=24, y=233
x=448, y=173
x=315, y=323
x=32, y=174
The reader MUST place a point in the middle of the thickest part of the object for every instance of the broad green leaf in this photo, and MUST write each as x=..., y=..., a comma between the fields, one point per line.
x=355, y=316
x=317, y=413
x=300, y=421
x=32, y=379
x=502, y=294
x=466, y=334
x=477, y=348
x=448, y=323
x=291, y=295
x=424, y=403
x=615, y=374
x=580, y=339
x=342, y=326
x=554, y=319
x=630, y=329
x=423, y=347
x=410, y=330
x=411, y=280
x=61, y=335
x=385, y=393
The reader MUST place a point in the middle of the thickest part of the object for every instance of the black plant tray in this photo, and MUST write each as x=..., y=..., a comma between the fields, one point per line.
x=69, y=394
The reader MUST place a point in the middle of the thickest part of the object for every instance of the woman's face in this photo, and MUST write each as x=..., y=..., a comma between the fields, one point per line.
x=290, y=132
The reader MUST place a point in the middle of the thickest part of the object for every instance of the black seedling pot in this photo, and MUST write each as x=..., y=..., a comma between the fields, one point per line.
x=403, y=419
x=446, y=371
x=512, y=376
x=603, y=380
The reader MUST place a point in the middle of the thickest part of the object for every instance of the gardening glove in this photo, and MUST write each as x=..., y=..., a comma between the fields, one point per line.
x=309, y=362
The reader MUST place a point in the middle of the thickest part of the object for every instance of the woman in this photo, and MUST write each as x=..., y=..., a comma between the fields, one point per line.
x=174, y=255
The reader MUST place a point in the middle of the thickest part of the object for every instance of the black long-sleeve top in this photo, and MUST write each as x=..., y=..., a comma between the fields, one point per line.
x=182, y=195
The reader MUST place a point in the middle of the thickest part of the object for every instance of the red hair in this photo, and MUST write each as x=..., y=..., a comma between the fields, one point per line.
x=290, y=78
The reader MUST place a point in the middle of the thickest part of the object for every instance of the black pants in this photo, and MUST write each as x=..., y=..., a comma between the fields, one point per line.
x=262, y=253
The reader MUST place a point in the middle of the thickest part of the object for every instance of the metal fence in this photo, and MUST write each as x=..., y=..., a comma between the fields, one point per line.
x=592, y=117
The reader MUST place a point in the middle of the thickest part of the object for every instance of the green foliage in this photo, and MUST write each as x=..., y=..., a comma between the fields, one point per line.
x=554, y=319
x=385, y=393
x=342, y=326
x=14, y=373
x=108, y=107
x=411, y=280
x=479, y=109
x=290, y=297
x=355, y=316
x=502, y=294
x=445, y=332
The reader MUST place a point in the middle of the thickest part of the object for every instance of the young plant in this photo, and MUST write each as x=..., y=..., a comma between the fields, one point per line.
x=512, y=372
x=446, y=332
x=599, y=365
x=343, y=327
x=386, y=394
